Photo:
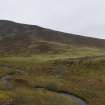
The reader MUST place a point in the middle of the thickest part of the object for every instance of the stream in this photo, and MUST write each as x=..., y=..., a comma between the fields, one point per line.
x=75, y=98
x=7, y=83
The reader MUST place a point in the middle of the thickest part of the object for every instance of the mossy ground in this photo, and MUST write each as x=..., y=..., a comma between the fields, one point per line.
x=84, y=78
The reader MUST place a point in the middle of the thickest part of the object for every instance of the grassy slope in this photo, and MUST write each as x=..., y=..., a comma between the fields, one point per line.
x=33, y=59
x=21, y=39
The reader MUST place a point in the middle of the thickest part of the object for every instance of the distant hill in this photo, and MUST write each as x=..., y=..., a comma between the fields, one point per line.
x=18, y=38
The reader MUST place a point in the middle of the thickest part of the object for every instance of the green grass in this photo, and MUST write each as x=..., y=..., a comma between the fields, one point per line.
x=71, y=52
x=5, y=97
x=83, y=78
x=28, y=96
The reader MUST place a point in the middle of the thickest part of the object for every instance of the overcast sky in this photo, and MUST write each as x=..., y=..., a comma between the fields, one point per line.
x=85, y=17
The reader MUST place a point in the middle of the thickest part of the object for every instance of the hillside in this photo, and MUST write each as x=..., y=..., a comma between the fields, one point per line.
x=18, y=38
x=40, y=66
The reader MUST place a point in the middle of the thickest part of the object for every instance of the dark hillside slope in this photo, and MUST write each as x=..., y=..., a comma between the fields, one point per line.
x=15, y=37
